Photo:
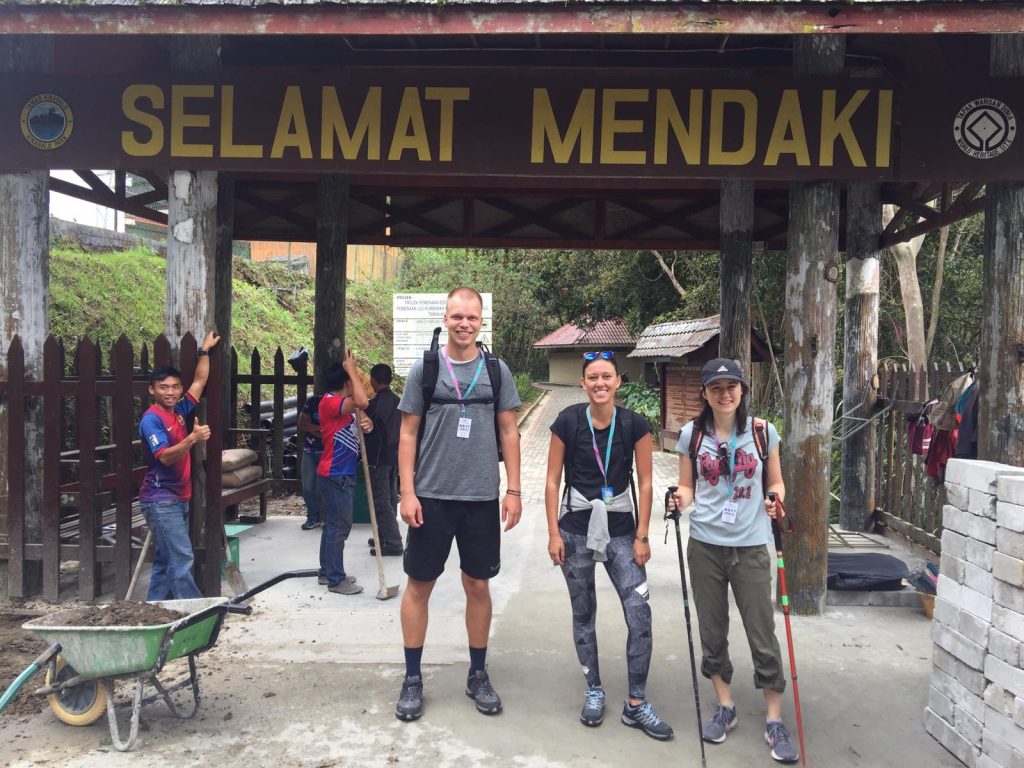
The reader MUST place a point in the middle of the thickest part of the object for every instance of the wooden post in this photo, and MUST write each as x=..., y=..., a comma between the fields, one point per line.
x=736, y=269
x=222, y=289
x=812, y=270
x=24, y=299
x=331, y=254
x=860, y=353
x=1001, y=367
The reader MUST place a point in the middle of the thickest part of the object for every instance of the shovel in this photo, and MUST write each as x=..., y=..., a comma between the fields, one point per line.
x=384, y=592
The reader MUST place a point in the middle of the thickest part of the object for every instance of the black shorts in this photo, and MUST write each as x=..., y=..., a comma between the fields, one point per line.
x=476, y=528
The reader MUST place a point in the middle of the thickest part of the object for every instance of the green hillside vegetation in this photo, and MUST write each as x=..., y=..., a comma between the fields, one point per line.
x=104, y=295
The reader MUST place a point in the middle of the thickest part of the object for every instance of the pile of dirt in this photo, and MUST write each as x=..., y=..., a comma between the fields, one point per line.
x=20, y=648
x=120, y=613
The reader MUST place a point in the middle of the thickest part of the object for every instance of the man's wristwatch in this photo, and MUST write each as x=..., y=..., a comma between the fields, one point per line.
x=202, y=352
x=643, y=539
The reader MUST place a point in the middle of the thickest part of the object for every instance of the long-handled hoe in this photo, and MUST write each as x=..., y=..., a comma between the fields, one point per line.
x=674, y=514
x=384, y=592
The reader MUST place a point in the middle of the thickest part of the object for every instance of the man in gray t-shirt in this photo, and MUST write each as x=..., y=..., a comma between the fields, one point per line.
x=449, y=483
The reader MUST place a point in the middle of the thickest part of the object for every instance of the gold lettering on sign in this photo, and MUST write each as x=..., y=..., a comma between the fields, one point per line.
x=611, y=126
x=579, y=131
x=788, y=134
x=835, y=126
x=366, y=131
x=410, y=128
x=228, y=148
x=447, y=97
x=747, y=102
x=883, y=131
x=292, y=131
x=687, y=135
x=130, y=141
x=180, y=120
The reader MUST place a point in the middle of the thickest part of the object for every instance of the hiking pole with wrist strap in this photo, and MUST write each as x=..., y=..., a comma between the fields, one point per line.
x=777, y=531
x=674, y=515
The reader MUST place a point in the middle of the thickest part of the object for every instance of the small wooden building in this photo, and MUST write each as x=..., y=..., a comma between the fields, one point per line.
x=565, y=347
x=678, y=350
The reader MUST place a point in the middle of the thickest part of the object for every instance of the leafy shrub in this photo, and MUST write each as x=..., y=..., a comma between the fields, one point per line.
x=525, y=388
x=645, y=400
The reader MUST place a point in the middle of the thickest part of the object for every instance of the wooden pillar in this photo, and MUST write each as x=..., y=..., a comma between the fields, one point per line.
x=222, y=287
x=860, y=352
x=331, y=253
x=24, y=299
x=1001, y=364
x=812, y=270
x=191, y=280
x=736, y=269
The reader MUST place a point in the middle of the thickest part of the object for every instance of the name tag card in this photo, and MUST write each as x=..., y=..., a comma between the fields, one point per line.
x=464, y=425
x=729, y=513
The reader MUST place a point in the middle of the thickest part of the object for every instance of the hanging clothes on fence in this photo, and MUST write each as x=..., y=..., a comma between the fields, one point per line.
x=967, y=413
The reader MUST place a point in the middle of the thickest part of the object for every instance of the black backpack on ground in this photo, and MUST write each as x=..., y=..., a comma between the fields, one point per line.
x=431, y=369
x=624, y=417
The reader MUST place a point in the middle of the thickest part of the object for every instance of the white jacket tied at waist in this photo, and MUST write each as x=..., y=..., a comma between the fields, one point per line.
x=597, y=532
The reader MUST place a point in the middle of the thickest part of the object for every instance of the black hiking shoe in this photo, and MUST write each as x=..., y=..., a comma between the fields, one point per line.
x=478, y=688
x=410, y=700
x=646, y=719
x=592, y=714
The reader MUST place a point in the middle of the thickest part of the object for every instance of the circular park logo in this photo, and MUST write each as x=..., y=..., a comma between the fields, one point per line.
x=46, y=121
x=984, y=128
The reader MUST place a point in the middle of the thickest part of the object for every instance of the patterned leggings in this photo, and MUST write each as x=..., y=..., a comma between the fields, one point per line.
x=630, y=581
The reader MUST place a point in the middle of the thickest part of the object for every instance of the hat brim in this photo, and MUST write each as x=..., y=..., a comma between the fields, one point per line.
x=724, y=377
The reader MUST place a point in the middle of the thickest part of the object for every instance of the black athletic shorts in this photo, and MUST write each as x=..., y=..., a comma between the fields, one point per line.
x=476, y=528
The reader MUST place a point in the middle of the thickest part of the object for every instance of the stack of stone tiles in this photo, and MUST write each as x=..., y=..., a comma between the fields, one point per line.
x=976, y=700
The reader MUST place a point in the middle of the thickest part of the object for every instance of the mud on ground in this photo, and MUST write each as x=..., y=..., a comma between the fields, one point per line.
x=19, y=649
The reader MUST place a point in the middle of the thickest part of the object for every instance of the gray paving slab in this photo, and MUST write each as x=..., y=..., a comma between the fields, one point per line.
x=310, y=679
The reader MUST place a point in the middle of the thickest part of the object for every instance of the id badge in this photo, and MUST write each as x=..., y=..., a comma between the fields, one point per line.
x=729, y=512
x=464, y=425
x=607, y=494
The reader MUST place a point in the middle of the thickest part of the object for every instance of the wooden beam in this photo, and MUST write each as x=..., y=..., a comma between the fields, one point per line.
x=812, y=270
x=736, y=269
x=1001, y=365
x=331, y=256
x=860, y=353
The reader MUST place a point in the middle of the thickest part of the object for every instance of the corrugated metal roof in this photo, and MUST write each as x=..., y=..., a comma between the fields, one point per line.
x=607, y=333
x=309, y=3
x=677, y=338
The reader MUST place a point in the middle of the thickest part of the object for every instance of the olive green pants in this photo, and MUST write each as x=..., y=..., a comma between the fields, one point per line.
x=713, y=569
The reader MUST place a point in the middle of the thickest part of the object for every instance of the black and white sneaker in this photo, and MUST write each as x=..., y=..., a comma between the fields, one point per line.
x=646, y=719
x=410, y=700
x=478, y=688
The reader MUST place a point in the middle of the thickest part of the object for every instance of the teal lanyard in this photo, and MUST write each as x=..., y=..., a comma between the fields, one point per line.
x=608, y=448
x=455, y=382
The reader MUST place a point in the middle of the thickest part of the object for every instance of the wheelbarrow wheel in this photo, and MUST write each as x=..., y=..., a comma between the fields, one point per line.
x=82, y=704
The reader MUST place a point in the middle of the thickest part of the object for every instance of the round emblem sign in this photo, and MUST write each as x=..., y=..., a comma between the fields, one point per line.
x=46, y=121
x=984, y=128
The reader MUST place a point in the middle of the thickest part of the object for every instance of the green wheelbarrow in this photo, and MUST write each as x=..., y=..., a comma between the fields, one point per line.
x=79, y=681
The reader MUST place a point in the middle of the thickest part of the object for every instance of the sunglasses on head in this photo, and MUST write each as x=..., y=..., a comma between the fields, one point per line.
x=607, y=355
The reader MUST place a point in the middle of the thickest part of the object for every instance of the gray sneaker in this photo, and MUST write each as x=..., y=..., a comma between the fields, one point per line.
x=346, y=587
x=778, y=739
x=723, y=721
x=321, y=579
x=592, y=714
x=478, y=688
x=410, y=700
x=644, y=717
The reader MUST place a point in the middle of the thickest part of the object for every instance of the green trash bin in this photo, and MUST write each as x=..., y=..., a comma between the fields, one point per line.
x=360, y=506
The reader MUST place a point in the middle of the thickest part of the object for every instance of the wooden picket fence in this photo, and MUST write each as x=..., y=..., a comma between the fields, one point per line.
x=91, y=463
x=906, y=499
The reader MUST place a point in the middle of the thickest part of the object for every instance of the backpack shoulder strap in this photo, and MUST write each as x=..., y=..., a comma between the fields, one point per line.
x=428, y=383
x=492, y=362
x=696, y=435
x=570, y=448
x=761, y=446
x=628, y=448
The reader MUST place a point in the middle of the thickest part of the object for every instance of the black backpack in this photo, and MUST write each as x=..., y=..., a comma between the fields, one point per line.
x=624, y=417
x=431, y=369
x=760, y=445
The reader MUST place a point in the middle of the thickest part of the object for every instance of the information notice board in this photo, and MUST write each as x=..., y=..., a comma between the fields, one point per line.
x=415, y=317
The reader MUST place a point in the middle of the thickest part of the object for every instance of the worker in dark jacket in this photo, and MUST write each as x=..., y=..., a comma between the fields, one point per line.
x=382, y=457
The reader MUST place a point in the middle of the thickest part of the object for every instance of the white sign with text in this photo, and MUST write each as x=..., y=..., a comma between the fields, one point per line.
x=415, y=316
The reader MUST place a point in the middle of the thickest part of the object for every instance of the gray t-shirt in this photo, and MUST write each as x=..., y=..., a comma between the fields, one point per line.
x=452, y=467
x=753, y=527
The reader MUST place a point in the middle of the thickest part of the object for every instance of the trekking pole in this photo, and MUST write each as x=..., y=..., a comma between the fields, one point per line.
x=674, y=515
x=777, y=532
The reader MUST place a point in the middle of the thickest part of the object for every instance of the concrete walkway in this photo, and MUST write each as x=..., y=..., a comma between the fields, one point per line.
x=311, y=677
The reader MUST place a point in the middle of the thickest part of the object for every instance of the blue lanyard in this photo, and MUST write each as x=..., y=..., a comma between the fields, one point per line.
x=458, y=394
x=608, y=448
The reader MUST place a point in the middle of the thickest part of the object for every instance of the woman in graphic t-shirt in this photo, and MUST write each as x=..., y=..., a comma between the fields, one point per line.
x=730, y=527
x=593, y=522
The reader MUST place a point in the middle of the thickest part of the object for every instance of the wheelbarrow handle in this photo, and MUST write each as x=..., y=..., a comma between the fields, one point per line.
x=308, y=573
x=31, y=669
